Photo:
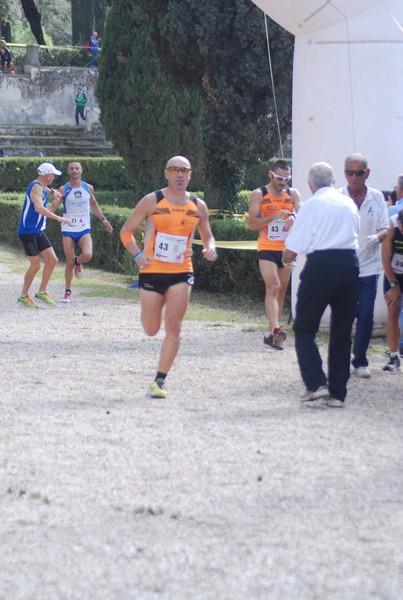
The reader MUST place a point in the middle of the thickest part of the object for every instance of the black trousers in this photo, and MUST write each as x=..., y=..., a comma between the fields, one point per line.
x=79, y=113
x=329, y=278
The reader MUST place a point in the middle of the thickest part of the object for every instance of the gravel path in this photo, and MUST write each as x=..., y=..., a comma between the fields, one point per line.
x=226, y=490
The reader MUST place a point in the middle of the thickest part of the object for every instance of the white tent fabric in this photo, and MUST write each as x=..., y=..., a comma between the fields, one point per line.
x=304, y=16
x=347, y=88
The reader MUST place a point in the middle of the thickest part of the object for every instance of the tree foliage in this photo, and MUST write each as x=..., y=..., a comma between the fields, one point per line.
x=147, y=118
x=55, y=21
x=220, y=48
x=5, y=19
x=82, y=20
x=86, y=17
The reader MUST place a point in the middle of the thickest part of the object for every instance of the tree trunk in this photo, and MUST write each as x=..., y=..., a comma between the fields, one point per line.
x=34, y=18
x=82, y=21
x=5, y=31
x=99, y=17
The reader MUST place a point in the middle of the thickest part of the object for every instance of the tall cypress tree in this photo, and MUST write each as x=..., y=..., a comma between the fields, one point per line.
x=147, y=119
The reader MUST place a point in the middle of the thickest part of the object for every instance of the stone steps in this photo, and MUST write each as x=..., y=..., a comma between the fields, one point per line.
x=31, y=140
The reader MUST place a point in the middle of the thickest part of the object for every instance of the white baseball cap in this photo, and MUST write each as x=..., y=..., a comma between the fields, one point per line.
x=48, y=169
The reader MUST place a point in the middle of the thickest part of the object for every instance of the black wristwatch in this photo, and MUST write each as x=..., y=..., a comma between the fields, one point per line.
x=393, y=284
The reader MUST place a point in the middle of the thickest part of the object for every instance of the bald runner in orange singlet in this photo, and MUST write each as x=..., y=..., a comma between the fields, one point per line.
x=170, y=217
x=272, y=209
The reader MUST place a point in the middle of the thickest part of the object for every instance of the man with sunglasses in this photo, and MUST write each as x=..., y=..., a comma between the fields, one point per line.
x=170, y=217
x=272, y=210
x=374, y=227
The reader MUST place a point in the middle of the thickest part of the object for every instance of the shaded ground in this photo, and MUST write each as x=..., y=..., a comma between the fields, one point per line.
x=226, y=490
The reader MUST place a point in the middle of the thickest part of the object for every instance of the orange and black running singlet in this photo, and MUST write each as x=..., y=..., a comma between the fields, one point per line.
x=272, y=235
x=168, y=236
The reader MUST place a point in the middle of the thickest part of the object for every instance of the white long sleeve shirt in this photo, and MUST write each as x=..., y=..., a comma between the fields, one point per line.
x=373, y=218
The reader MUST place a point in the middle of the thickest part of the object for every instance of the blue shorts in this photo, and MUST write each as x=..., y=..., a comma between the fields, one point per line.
x=76, y=237
x=34, y=243
x=160, y=282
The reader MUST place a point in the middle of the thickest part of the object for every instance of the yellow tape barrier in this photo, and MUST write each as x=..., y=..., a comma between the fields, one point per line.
x=213, y=212
x=238, y=245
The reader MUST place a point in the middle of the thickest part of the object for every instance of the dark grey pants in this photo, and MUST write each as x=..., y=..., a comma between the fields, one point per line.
x=329, y=278
x=79, y=113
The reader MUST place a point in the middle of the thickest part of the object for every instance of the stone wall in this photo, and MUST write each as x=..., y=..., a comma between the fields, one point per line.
x=45, y=95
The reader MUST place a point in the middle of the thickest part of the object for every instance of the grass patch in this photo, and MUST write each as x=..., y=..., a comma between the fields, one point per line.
x=198, y=311
x=221, y=310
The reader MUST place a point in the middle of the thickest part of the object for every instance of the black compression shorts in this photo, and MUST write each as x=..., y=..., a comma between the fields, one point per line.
x=160, y=282
x=34, y=243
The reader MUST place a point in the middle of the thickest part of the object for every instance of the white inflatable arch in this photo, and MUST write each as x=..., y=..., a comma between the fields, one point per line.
x=347, y=90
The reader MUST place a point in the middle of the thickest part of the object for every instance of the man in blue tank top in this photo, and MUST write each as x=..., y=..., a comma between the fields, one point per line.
x=31, y=231
x=78, y=200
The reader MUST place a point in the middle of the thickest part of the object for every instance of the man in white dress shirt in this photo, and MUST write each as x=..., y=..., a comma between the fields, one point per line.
x=326, y=230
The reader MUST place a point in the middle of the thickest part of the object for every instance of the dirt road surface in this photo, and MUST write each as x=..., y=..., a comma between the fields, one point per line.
x=226, y=490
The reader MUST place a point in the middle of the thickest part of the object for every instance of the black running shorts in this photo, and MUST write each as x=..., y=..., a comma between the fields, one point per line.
x=34, y=243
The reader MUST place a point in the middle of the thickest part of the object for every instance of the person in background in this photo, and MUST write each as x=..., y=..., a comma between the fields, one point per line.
x=94, y=48
x=6, y=60
x=390, y=197
x=392, y=262
x=394, y=209
x=272, y=210
x=373, y=230
x=31, y=231
x=329, y=278
x=170, y=217
x=80, y=101
x=78, y=200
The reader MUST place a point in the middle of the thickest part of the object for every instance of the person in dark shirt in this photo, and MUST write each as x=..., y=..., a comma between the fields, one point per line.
x=6, y=59
x=392, y=262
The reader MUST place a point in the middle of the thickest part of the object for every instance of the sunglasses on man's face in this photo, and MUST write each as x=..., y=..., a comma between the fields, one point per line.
x=280, y=177
x=351, y=172
x=177, y=170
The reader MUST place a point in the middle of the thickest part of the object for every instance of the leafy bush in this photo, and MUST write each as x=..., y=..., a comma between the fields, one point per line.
x=64, y=57
x=104, y=173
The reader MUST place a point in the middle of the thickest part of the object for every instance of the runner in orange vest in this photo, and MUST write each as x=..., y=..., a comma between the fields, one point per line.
x=272, y=210
x=170, y=217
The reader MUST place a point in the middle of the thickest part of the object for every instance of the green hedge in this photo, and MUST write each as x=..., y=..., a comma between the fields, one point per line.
x=109, y=253
x=107, y=173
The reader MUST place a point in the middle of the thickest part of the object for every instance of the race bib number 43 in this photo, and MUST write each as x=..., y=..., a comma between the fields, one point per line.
x=170, y=248
x=276, y=230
